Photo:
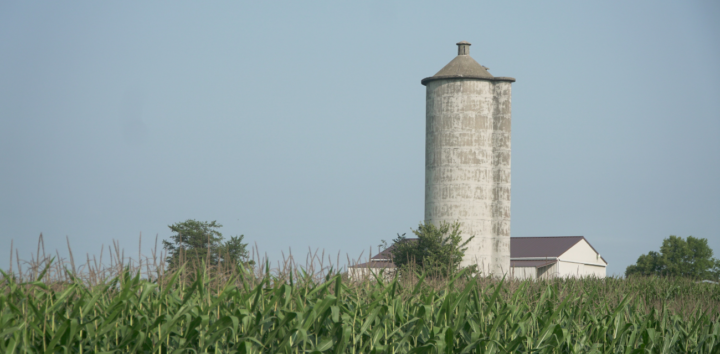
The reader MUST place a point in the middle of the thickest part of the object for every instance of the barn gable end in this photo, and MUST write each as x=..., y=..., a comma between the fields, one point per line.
x=552, y=257
x=583, y=252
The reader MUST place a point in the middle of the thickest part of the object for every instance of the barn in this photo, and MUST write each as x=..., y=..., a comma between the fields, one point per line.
x=378, y=264
x=530, y=258
x=553, y=257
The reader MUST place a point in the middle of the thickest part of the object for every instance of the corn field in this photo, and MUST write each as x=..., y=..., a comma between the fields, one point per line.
x=199, y=309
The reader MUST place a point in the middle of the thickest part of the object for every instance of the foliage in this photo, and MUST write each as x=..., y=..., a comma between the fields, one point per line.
x=195, y=242
x=438, y=250
x=266, y=314
x=691, y=258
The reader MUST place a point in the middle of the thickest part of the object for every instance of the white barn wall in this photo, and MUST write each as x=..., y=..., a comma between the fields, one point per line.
x=570, y=270
x=582, y=252
x=578, y=270
x=547, y=272
x=364, y=272
x=521, y=273
x=599, y=272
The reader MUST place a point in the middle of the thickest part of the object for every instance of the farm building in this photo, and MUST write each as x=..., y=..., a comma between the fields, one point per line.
x=379, y=263
x=467, y=157
x=551, y=257
x=530, y=258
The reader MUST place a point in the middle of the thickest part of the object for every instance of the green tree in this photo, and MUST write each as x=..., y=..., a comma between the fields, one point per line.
x=195, y=241
x=690, y=258
x=438, y=250
x=647, y=264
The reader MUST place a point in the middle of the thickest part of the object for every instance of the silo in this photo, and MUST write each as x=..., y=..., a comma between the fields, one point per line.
x=467, y=158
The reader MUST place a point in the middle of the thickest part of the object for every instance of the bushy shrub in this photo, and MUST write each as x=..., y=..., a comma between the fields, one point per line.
x=437, y=250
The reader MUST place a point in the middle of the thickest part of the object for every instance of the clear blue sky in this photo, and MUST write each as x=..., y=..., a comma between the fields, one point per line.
x=301, y=124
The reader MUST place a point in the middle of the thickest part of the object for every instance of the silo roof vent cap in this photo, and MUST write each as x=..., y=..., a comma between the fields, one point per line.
x=463, y=48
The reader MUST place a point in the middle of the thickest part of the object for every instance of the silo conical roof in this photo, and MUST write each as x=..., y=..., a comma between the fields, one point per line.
x=463, y=66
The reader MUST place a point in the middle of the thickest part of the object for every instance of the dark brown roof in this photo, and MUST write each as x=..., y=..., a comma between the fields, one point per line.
x=545, y=246
x=386, y=254
x=536, y=264
x=374, y=264
x=523, y=247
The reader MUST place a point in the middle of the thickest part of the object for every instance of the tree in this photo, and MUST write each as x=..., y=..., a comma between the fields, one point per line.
x=438, y=250
x=647, y=264
x=196, y=241
x=691, y=258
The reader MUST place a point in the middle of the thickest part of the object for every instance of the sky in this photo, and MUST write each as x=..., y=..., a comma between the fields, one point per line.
x=301, y=125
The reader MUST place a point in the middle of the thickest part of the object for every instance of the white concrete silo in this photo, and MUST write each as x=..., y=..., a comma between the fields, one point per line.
x=467, y=158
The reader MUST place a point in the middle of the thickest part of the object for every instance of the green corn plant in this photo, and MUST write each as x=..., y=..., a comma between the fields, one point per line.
x=254, y=310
